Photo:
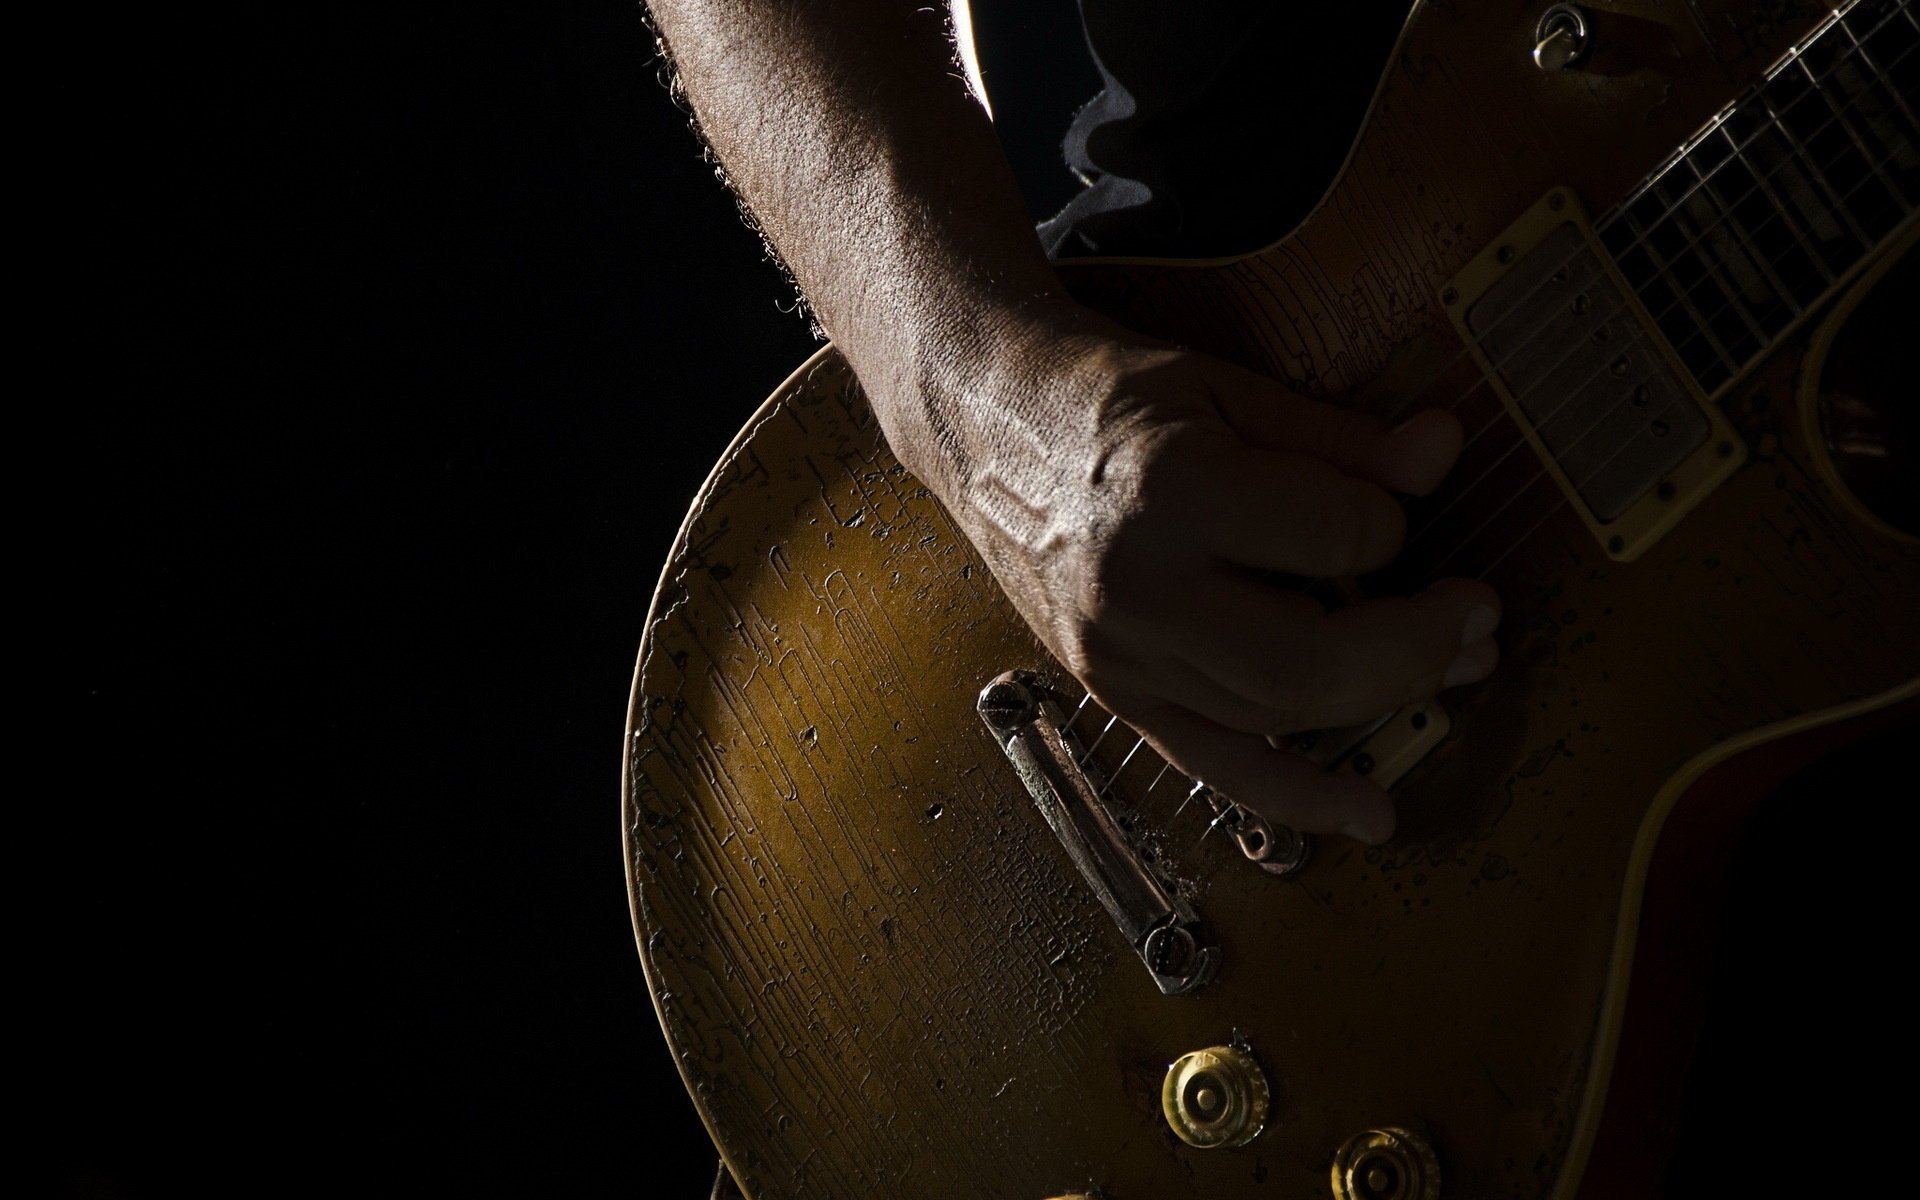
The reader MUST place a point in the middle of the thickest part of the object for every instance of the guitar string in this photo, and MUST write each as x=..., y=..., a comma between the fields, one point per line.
x=1674, y=210
x=1876, y=175
x=1191, y=793
x=1683, y=295
x=1544, y=471
x=1553, y=509
x=1676, y=207
x=1705, y=229
x=1522, y=491
x=1223, y=814
x=1625, y=305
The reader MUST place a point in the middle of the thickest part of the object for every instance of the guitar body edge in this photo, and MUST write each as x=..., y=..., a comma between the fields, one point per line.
x=1669, y=916
x=877, y=969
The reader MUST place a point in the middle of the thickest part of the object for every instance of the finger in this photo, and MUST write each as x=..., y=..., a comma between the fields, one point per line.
x=1348, y=666
x=1277, y=784
x=1411, y=457
x=1141, y=686
x=1277, y=510
x=1477, y=661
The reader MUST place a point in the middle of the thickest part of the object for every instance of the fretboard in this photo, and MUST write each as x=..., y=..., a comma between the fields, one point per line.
x=1764, y=211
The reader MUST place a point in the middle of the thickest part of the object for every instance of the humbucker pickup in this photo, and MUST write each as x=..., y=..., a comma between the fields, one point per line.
x=1582, y=368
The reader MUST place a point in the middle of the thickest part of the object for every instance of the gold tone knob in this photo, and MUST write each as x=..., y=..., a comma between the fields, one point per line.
x=1390, y=1163
x=1215, y=1097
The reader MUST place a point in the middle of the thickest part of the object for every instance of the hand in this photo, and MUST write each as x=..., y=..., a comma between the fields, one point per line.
x=1134, y=501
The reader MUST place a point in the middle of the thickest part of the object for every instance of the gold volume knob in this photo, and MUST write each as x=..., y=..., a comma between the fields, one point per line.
x=1389, y=1163
x=1215, y=1097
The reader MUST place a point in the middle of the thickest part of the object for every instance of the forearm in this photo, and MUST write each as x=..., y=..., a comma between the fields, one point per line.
x=1134, y=500
x=847, y=130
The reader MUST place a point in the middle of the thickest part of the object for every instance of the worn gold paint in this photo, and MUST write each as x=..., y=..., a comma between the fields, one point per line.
x=881, y=976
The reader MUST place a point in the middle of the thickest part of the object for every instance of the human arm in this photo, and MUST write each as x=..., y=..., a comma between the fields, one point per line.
x=1130, y=497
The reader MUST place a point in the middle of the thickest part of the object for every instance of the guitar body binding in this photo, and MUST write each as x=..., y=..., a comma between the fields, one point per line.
x=882, y=973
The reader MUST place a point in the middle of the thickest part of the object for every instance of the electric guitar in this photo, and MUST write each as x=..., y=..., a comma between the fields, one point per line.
x=922, y=920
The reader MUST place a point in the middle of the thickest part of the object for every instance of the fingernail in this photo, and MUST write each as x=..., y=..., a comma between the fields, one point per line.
x=1360, y=833
x=1470, y=667
x=1481, y=622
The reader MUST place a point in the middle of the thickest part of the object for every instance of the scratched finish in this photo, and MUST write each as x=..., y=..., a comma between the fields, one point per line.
x=879, y=973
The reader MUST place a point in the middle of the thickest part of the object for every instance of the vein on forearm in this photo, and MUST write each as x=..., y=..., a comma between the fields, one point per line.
x=848, y=132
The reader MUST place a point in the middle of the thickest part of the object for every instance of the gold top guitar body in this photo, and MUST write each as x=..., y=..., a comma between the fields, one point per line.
x=891, y=962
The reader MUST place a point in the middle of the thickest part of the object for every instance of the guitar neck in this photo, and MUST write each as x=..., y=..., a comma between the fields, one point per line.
x=1760, y=216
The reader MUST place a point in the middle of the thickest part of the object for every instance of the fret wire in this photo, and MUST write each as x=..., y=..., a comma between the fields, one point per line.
x=1762, y=178
x=1546, y=514
x=1459, y=497
x=1804, y=166
x=1860, y=48
x=1793, y=56
x=1869, y=122
x=1682, y=295
x=1774, y=122
x=1647, y=229
x=1804, y=194
x=1847, y=195
x=1756, y=257
x=1852, y=134
x=1868, y=116
x=1716, y=270
x=1542, y=473
x=1798, y=154
x=1765, y=185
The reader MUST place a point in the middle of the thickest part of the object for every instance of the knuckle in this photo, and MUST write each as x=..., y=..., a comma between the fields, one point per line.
x=1338, y=529
x=1083, y=652
x=1106, y=576
x=1154, y=460
x=1321, y=520
x=1291, y=700
x=1378, y=528
x=1336, y=426
x=1428, y=685
x=1285, y=722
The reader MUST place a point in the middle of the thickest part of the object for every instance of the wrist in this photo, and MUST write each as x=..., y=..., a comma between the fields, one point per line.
x=946, y=386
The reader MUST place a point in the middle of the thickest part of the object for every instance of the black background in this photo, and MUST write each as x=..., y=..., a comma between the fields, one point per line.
x=383, y=349
x=392, y=344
